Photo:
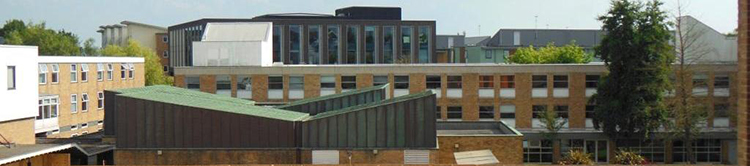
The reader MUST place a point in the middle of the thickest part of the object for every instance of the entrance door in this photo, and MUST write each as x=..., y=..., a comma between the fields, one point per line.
x=597, y=149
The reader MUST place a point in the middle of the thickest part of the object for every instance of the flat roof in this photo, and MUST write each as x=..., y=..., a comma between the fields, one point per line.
x=88, y=59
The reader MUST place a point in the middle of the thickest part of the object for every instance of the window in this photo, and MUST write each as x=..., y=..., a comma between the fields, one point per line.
x=352, y=46
x=487, y=112
x=388, y=44
x=165, y=68
x=425, y=33
x=11, y=77
x=327, y=82
x=165, y=39
x=313, y=44
x=73, y=103
x=486, y=82
x=721, y=111
x=561, y=111
x=592, y=81
x=123, y=69
x=84, y=72
x=99, y=72
x=537, y=151
x=433, y=82
x=131, y=71
x=704, y=151
x=406, y=40
x=454, y=112
x=84, y=125
x=295, y=44
x=100, y=100
x=508, y=111
x=165, y=54
x=652, y=150
x=55, y=73
x=277, y=43
x=73, y=73
x=244, y=87
x=506, y=81
x=275, y=83
x=224, y=85
x=348, y=82
x=193, y=82
x=74, y=127
x=54, y=104
x=379, y=80
x=700, y=81
x=84, y=102
x=590, y=111
x=296, y=82
x=538, y=110
x=721, y=81
x=43, y=73
x=333, y=44
x=454, y=82
x=401, y=82
x=438, y=113
x=560, y=81
x=539, y=81
x=109, y=71
x=369, y=45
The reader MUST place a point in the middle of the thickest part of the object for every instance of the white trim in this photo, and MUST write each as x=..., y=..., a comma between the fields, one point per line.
x=37, y=153
x=81, y=59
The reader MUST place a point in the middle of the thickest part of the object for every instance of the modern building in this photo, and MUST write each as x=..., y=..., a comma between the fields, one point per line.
x=446, y=45
x=119, y=34
x=18, y=94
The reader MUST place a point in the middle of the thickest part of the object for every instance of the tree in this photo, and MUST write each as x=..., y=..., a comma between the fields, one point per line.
x=50, y=42
x=89, y=49
x=154, y=72
x=636, y=51
x=570, y=53
x=12, y=25
x=552, y=123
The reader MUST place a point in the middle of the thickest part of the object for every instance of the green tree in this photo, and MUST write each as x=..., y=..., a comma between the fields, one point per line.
x=637, y=53
x=89, y=49
x=50, y=42
x=12, y=25
x=570, y=53
x=154, y=72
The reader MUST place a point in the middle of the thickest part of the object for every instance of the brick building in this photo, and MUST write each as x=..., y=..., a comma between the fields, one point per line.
x=743, y=128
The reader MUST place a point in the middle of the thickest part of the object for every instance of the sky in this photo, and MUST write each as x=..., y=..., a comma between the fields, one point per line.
x=473, y=17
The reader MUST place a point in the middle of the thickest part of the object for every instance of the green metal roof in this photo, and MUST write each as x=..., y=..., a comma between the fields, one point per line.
x=326, y=97
x=370, y=105
x=191, y=98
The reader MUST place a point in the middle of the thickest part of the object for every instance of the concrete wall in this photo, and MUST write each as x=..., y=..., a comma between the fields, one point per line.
x=507, y=149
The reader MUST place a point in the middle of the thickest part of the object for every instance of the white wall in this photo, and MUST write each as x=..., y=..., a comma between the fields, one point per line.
x=21, y=102
x=713, y=45
x=231, y=54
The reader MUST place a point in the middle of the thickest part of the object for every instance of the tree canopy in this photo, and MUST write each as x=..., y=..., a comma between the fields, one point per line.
x=50, y=42
x=154, y=72
x=637, y=53
x=570, y=53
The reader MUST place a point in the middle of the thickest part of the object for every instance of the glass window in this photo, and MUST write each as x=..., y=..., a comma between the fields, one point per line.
x=43, y=73
x=84, y=102
x=244, y=86
x=55, y=73
x=538, y=111
x=11, y=77
x=592, y=81
x=369, y=45
x=537, y=151
x=721, y=111
x=53, y=105
x=131, y=72
x=560, y=81
x=454, y=112
x=401, y=82
x=352, y=48
x=109, y=71
x=590, y=111
x=486, y=112
x=406, y=52
x=561, y=111
x=388, y=44
x=379, y=80
x=123, y=69
x=84, y=72
x=224, y=83
x=539, y=81
x=328, y=82
x=165, y=54
x=506, y=81
x=704, y=151
x=100, y=100
x=508, y=111
x=193, y=82
x=296, y=82
x=348, y=82
x=721, y=81
x=40, y=114
x=73, y=103
x=333, y=44
x=433, y=82
x=313, y=44
x=275, y=82
x=486, y=82
x=652, y=150
x=277, y=43
x=295, y=44
x=454, y=82
x=73, y=73
x=700, y=81
x=424, y=44
x=438, y=114
x=99, y=72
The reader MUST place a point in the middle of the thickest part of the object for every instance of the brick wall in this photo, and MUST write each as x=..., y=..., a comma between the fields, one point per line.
x=19, y=131
x=742, y=126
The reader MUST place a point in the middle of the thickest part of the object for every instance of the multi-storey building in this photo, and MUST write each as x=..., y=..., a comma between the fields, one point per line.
x=162, y=50
x=119, y=34
x=71, y=91
x=17, y=94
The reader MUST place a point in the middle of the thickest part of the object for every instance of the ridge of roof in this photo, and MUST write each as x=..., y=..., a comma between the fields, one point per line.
x=369, y=105
x=326, y=97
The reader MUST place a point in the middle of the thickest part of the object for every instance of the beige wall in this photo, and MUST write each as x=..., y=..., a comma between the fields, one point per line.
x=19, y=131
x=53, y=159
x=144, y=35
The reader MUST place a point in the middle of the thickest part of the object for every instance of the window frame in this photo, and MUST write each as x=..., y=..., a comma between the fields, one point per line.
x=131, y=72
x=400, y=83
x=348, y=84
x=84, y=102
x=84, y=72
x=486, y=82
x=55, y=75
x=377, y=80
x=43, y=73
x=592, y=81
x=722, y=83
x=538, y=83
x=560, y=81
x=99, y=72
x=454, y=83
x=11, y=70
x=100, y=100
x=272, y=82
x=73, y=103
x=296, y=83
x=454, y=110
x=110, y=68
x=486, y=110
x=431, y=83
x=73, y=73
x=507, y=82
x=123, y=68
x=327, y=82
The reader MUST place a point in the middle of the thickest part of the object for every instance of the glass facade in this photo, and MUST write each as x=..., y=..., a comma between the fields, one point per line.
x=333, y=44
x=295, y=44
x=277, y=43
x=351, y=44
x=313, y=44
x=424, y=44
x=369, y=45
x=388, y=44
x=405, y=57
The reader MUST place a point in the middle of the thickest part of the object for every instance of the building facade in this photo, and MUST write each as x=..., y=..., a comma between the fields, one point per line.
x=162, y=50
x=743, y=128
x=18, y=94
x=119, y=34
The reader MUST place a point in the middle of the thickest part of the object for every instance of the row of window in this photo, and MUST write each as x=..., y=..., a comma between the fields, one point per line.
x=704, y=150
x=126, y=71
x=84, y=101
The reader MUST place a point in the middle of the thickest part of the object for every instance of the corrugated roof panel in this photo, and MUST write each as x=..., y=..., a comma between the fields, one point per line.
x=477, y=157
x=237, y=31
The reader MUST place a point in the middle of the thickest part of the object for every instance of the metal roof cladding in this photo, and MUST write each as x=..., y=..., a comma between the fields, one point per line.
x=370, y=105
x=326, y=97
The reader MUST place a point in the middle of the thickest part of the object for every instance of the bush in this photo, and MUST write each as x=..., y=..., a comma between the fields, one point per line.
x=628, y=158
x=570, y=53
x=576, y=157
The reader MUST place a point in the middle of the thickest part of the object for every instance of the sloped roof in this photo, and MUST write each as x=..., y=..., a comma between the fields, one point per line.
x=237, y=31
x=476, y=41
x=20, y=152
x=370, y=105
x=326, y=97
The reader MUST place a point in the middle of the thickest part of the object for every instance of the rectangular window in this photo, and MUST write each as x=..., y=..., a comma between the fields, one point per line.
x=424, y=44
x=406, y=40
x=454, y=82
x=131, y=72
x=224, y=85
x=454, y=112
x=487, y=112
x=433, y=81
x=313, y=44
x=53, y=107
x=193, y=83
x=590, y=111
x=704, y=151
x=651, y=149
x=296, y=83
x=561, y=111
x=700, y=81
x=73, y=73
x=401, y=82
x=560, y=81
x=721, y=111
x=348, y=82
x=109, y=71
x=73, y=103
x=537, y=151
x=379, y=80
x=508, y=111
x=327, y=82
x=721, y=81
x=275, y=82
x=100, y=100
x=84, y=102
x=295, y=44
x=438, y=113
x=592, y=81
x=84, y=72
x=506, y=81
x=244, y=87
x=40, y=114
x=99, y=72
x=333, y=44
x=538, y=110
x=486, y=82
x=277, y=43
x=369, y=45
x=11, y=77
x=43, y=73
x=388, y=44
x=55, y=73
x=352, y=46
x=123, y=68
x=539, y=81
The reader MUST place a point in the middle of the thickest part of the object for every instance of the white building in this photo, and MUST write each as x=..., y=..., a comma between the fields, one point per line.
x=234, y=44
x=18, y=93
x=118, y=34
